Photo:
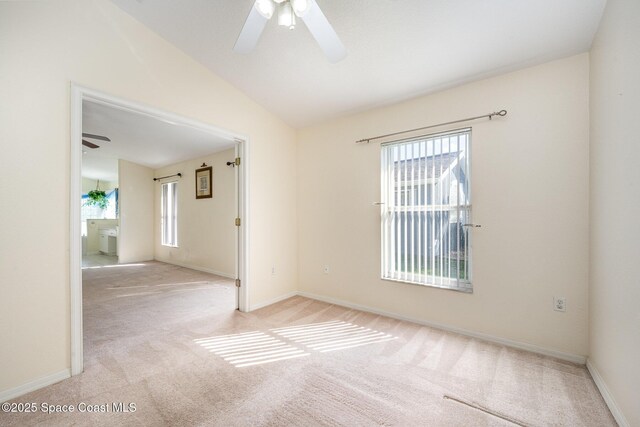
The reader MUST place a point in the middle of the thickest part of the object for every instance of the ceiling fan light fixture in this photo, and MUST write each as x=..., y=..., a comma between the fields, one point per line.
x=307, y=10
x=301, y=7
x=265, y=7
x=286, y=17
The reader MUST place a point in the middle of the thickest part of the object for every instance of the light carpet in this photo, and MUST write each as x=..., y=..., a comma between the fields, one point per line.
x=167, y=339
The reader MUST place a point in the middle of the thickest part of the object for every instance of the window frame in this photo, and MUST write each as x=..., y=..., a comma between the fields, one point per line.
x=455, y=284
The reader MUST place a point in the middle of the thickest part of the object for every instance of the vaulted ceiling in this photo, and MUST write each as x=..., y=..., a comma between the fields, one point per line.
x=397, y=49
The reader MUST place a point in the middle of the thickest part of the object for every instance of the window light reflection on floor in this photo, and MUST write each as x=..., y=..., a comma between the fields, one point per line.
x=140, y=290
x=250, y=348
x=256, y=347
x=113, y=266
x=333, y=335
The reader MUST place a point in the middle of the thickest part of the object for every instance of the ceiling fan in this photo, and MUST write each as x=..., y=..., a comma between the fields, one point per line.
x=92, y=136
x=287, y=10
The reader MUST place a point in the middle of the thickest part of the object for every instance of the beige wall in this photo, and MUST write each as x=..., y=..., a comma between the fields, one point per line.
x=530, y=193
x=614, y=325
x=47, y=45
x=206, y=231
x=135, y=239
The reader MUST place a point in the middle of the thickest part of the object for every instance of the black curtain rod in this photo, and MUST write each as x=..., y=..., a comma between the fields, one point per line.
x=489, y=116
x=168, y=176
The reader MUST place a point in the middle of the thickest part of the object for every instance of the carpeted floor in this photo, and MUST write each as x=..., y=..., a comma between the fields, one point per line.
x=97, y=260
x=167, y=339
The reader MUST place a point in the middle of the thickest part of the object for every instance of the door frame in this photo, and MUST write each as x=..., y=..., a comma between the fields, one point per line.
x=80, y=93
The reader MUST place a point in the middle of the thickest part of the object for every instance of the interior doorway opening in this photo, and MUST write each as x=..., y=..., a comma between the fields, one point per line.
x=174, y=206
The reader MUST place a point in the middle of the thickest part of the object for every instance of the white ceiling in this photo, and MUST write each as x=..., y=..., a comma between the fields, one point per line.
x=141, y=139
x=397, y=49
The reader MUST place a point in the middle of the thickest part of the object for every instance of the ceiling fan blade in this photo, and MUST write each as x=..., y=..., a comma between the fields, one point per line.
x=323, y=32
x=92, y=136
x=89, y=144
x=251, y=31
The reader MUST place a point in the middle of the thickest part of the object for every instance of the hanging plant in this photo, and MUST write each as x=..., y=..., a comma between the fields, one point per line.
x=97, y=198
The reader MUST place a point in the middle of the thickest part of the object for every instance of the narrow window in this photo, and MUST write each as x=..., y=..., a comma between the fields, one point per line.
x=169, y=214
x=426, y=209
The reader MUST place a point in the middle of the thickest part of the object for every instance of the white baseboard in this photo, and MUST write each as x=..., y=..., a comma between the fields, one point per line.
x=606, y=395
x=273, y=301
x=34, y=385
x=575, y=358
x=197, y=268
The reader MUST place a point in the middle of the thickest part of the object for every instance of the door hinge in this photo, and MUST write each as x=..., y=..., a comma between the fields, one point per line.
x=237, y=283
x=237, y=222
x=237, y=161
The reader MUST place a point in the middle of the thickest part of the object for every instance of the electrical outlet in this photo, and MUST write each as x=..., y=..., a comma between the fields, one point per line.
x=325, y=270
x=559, y=303
x=273, y=270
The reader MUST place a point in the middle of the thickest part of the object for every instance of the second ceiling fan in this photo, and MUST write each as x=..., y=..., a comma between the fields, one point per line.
x=93, y=136
x=287, y=10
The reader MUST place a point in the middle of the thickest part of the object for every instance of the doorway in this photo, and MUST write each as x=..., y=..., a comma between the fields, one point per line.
x=120, y=245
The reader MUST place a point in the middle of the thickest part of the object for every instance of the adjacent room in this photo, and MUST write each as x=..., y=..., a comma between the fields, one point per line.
x=146, y=272
x=320, y=212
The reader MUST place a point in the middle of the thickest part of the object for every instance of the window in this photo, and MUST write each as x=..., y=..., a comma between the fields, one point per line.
x=426, y=210
x=169, y=214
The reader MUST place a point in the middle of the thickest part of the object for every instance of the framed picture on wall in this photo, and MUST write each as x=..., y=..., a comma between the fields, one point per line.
x=204, y=184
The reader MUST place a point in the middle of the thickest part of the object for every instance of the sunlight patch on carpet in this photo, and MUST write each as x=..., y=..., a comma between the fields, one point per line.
x=113, y=266
x=256, y=347
x=250, y=348
x=332, y=336
x=166, y=288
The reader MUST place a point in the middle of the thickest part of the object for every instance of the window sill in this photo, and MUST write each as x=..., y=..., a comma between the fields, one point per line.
x=170, y=246
x=465, y=290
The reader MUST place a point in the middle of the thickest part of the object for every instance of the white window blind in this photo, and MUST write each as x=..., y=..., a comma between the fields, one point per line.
x=169, y=217
x=426, y=207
